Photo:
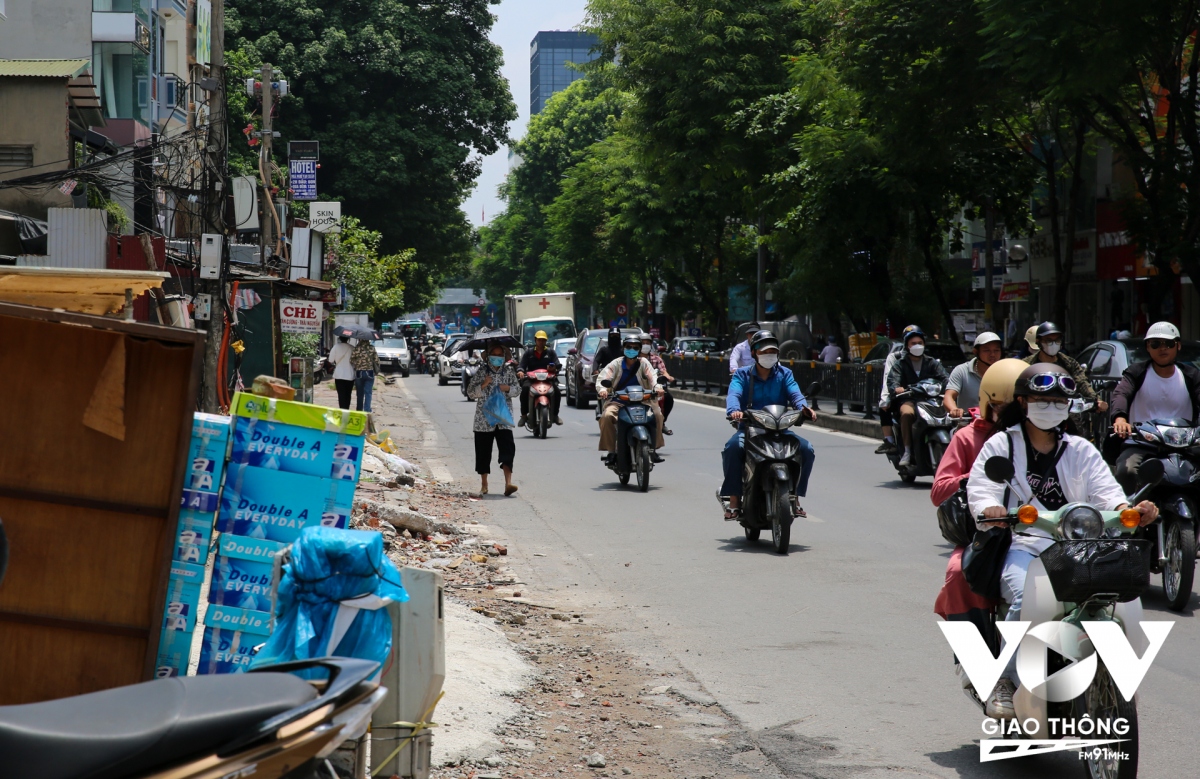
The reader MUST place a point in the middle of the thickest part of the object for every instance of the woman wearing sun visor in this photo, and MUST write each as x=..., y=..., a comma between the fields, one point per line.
x=1052, y=469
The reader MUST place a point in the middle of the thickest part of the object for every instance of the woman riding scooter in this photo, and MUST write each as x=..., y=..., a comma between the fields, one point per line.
x=1053, y=469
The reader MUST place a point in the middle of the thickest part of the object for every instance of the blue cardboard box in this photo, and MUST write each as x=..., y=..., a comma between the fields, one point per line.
x=226, y=650
x=194, y=536
x=296, y=449
x=174, y=652
x=277, y=505
x=206, y=452
x=183, y=596
x=242, y=572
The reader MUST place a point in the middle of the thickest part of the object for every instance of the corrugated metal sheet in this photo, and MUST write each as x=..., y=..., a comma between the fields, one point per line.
x=77, y=239
x=46, y=68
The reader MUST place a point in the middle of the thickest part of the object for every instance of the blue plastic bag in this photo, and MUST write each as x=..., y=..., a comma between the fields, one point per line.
x=328, y=566
x=496, y=410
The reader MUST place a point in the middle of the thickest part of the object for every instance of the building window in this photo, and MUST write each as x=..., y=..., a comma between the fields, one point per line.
x=12, y=156
x=122, y=74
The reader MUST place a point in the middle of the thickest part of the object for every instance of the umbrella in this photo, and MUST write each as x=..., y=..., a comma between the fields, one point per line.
x=485, y=339
x=355, y=331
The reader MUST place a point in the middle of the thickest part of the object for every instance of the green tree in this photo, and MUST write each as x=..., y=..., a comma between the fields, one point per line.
x=375, y=282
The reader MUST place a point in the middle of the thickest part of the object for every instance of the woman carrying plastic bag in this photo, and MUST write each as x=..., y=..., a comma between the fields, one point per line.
x=492, y=389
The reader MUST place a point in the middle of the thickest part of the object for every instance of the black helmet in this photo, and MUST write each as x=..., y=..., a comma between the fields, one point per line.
x=631, y=339
x=1047, y=328
x=912, y=331
x=614, y=336
x=763, y=339
x=1046, y=380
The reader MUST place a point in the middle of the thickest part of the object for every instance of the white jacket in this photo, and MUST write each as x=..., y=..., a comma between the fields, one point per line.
x=1084, y=476
x=885, y=398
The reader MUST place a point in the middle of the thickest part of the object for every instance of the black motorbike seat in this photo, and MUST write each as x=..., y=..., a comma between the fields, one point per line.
x=131, y=730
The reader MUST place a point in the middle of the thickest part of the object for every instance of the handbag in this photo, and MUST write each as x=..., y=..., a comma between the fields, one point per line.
x=983, y=559
x=955, y=520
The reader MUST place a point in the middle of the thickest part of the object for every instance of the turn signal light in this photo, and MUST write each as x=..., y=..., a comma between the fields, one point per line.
x=1131, y=517
x=1027, y=514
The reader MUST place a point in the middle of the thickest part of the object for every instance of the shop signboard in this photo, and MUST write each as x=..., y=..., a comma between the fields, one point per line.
x=303, y=177
x=300, y=316
x=325, y=217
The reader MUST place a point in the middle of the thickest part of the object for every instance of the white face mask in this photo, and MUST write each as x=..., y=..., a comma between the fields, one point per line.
x=768, y=360
x=916, y=350
x=1052, y=348
x=645, y=348
x=1046, y=415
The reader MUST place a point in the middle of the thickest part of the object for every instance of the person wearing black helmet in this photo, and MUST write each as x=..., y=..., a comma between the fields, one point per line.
x=1049, y=339
x=629, y=368
x=610, y=350
x=914, y=367
x=763, y=383
x=1053, y=469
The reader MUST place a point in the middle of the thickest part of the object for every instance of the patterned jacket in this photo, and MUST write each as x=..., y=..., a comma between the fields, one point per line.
x=507, y=375
x=364, y=357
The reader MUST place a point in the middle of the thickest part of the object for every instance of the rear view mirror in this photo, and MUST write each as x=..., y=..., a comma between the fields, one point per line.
x=572, y=350
x=662, y=380
x=999, y=469
x=607, y=383
x=1151, y=471
x=813, y=390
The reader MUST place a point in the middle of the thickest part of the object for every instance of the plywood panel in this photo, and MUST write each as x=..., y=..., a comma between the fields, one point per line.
x=50, y=662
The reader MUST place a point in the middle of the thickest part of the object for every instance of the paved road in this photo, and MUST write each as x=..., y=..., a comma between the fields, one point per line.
x=831, y=655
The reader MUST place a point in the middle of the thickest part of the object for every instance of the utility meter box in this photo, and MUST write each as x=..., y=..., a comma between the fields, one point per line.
x=413, y=675
x=210, y=255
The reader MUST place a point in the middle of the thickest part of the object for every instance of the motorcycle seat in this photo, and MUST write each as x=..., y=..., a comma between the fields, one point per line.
x=133, y=730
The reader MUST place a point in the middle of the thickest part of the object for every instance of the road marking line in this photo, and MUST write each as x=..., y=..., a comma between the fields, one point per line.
x=429, y=439
x=439, y=470
x=815, y=520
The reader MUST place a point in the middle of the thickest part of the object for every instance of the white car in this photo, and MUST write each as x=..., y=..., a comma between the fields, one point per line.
x=450, y=363
x=393, y=354
x=561, y=347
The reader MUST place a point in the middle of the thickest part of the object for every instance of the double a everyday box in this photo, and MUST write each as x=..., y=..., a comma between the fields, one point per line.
x=183, y=596
x=277, y=505
x=201, y=486
x=174, y=652
x=194, y=537
x=242, y=572
x=231, y=639
x=300, y=438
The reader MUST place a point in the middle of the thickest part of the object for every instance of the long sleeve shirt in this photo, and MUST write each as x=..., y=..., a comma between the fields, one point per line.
x=740, y=357
x=778, y=389
x=958, y=459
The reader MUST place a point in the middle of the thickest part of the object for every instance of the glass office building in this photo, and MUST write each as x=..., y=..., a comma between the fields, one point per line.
x=548, y=54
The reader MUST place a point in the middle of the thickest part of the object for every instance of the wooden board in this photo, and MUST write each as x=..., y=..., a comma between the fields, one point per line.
x=90, y=517
x=75, y=289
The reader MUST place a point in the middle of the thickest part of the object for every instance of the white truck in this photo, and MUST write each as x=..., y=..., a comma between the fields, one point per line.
x=553, y=312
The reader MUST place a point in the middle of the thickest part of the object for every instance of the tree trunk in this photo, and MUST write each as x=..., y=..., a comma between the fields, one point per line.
x=935, y=270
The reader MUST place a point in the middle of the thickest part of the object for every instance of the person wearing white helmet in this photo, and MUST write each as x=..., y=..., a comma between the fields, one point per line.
x=962, y=390
x=1158, y=388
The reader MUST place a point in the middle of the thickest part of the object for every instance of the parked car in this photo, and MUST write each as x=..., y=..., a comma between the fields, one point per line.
x=1109, y=359
x=949, y=353
x=562, y=347
x=690, y=344
x=450, y=363
x=581, y=389
x=394, y=354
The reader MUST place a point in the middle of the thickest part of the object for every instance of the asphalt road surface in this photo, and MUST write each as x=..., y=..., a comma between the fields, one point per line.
x=830, y=656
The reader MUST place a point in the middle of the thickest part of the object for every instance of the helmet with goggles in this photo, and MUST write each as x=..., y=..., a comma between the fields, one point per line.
x=763, y=339
x=1045, y=381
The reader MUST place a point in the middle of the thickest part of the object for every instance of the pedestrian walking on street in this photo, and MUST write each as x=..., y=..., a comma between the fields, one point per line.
x=365, y=361
x=343, y=371
x=498, y=375
x=832, y=352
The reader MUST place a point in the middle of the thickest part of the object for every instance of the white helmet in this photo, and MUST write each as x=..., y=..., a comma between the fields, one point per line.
x=1164, y=330
x=986, y=337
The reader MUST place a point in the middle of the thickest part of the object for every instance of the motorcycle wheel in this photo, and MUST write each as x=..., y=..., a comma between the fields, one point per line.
x=908, y=477
x=781, y=520
x=1180, y=568
x=543, y=422
x=643, y=467
x=936, y=450
x=1103, y=700
x=623, y=478
x=751, y=533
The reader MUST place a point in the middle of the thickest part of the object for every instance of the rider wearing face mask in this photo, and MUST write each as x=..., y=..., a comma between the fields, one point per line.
x=1053, y=467
x=630, y=368
x=659, y=365
x=1050, y=343
x=908, y=370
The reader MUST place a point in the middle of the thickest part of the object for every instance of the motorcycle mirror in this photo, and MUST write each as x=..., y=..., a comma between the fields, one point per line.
x=607, y=384
x=999, y=469
x=662, y=380
x=572, y=350
x=813, y=389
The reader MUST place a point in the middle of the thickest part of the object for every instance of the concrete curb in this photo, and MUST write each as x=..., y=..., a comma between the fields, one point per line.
x=847, y=423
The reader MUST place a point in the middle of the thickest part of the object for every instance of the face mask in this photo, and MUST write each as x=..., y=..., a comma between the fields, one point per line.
x=495, y=362
x=631, y=353
x=768, y=360
x=353, y=342
x=1052, y=348
x=646, y=349
x=916, y=350
x=1046, y=415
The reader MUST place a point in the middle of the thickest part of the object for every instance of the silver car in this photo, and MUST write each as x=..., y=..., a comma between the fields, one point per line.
x=394, y=355
x=1109, y=359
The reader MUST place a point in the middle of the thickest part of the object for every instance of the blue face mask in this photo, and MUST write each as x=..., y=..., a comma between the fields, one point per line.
x=495, y=362
x=631, y=353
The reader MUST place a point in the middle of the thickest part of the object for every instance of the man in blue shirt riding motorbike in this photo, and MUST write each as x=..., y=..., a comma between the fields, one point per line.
x=763, y=383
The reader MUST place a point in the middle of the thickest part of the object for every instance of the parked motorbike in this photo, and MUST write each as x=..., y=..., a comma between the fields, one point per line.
x=541, y=383
x=635, y=433
x=771, y=470
x=469, y=369
x=930, y=433
x=266, y=722
x=1088, y=570
x=1176, y=444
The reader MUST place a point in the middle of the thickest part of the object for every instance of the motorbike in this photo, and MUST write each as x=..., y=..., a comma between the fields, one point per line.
x=470, y=368
x=1176, y=444
x=430, y=355
x=542, y=383
x=266, y=723
x=770, y=471
x=930, y=433
x=1088, y=587
x=635, y=433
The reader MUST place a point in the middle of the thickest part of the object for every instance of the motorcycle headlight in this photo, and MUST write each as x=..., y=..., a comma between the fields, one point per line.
x=1177, y=437
x=789, y=419
x=1080, y=522
x=540, y=389
x=764, y=419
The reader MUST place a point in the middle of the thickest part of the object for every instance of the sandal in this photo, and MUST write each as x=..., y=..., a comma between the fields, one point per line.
x=509, y=490
x=732, y=514
x=797, y=509
x=483, y=491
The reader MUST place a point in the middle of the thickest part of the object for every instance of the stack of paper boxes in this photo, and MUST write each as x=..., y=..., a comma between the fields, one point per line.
x=291, y=466
x=197, y=514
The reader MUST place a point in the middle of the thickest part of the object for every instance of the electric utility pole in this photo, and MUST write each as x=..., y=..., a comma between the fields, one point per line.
x=267, y=232
x=213, y=218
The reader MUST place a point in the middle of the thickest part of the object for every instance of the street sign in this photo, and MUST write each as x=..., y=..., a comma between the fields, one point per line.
x=481, y=302
x=302, y=175
x=622, y=309
x=475, y=312
x=475, y=321
x=655, y=332
x=693, y=331
x=304, y=150
x=438, y=319
x=325, y=217
x=300, y=316
x=621, y=321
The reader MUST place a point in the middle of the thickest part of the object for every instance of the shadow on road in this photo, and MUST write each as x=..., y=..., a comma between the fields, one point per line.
x=965, y=760
x=920, y=486
x=762, y=546
x=1154, y=600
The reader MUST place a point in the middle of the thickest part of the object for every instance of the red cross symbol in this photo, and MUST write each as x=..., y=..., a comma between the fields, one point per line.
x=545, y=304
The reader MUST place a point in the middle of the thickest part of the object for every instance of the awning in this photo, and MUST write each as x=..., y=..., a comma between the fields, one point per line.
x=75, y=289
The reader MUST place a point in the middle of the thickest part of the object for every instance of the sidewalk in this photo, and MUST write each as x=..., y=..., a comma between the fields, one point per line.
x=850, y=422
